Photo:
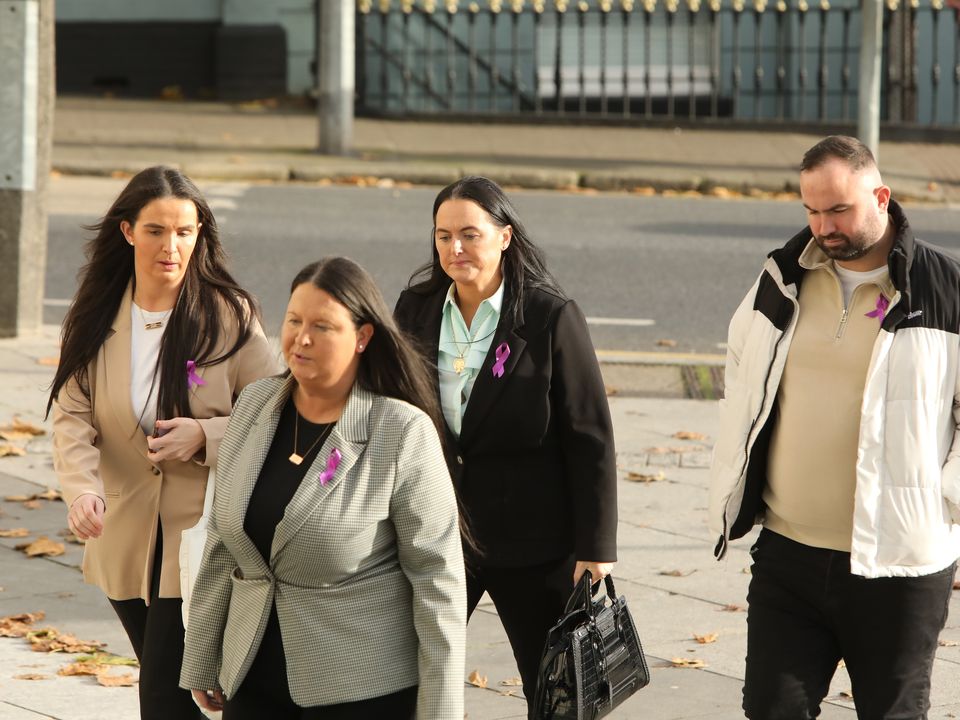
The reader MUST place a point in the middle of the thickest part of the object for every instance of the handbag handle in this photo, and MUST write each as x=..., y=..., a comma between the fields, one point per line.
x=585, y=592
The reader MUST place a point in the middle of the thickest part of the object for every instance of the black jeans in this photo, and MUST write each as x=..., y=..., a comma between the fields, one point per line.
x=529, y=601
x=156, y=633
x=807, y=611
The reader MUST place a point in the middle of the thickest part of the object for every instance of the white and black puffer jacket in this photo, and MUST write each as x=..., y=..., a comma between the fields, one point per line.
x=907, y=504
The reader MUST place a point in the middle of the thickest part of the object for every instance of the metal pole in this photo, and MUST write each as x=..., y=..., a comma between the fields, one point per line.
x=26, y=119
x=868, y=101
x=335, y=71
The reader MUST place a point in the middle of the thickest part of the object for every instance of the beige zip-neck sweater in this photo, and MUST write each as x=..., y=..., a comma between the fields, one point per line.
x=811, y=471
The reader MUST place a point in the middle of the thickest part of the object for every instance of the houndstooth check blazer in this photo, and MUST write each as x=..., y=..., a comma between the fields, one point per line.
x=366, y=570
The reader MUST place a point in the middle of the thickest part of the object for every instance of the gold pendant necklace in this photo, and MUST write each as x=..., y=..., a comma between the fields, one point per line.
x=295, y=457
x=459, y=362
x=151, y=325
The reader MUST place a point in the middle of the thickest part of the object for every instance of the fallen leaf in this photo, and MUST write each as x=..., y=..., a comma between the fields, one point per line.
x=108, y=659
x=14, y=533
x=666, y=343
x=507, y=693
x=50, y=361
x=644, y=478
x=512, y=682
x=42, y=546
x=31, y=676
x=19, y=625
x=732, y=607
x=956, y=584
x=689, y=435
x=676, y=573
x=19, y=498
x=661, y=450
x=8, y=450
x=79, y=668
x=32, y=504
x=846, y=694
x=20, y=430
x=706, y=639
x=477, y=680
x=948, y=643
x=124, y=680
x=49, y=494
x=52, y=640
x=687, y=663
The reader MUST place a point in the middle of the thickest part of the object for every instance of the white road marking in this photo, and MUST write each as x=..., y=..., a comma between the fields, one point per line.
x=627, y=322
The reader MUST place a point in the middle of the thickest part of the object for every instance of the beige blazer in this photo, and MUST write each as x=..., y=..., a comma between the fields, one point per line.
x=99, y=448
x=366, y=570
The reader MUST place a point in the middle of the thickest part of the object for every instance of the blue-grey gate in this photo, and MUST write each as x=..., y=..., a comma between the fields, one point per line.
x=697, y=61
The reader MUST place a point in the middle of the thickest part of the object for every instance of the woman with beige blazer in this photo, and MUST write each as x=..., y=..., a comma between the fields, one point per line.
x=332, y=583
x=157, y=345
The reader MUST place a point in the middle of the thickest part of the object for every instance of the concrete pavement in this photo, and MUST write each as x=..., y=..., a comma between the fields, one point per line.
x=675, y=588
x=263, y=142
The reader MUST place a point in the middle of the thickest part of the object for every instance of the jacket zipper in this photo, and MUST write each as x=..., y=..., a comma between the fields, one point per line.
x=843, y=322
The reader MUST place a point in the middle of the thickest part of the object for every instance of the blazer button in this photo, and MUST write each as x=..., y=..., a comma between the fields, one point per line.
x=459, y=460
x=155, y=470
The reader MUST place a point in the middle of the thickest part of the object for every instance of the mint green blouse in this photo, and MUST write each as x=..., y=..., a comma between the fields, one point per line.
x=471, y=344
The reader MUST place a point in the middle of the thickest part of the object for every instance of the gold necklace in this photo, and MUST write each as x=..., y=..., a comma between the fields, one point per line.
x=295, y=457
x=151, y=325
x=459, y=362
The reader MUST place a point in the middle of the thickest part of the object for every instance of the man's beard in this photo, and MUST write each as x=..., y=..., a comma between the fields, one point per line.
x=851, y=249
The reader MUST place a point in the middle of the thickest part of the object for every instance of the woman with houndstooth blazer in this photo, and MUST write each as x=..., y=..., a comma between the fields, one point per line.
x=332, y=583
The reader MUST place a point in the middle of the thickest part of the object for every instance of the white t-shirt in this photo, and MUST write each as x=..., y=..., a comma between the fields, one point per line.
x=850, y=280
x=144, y=353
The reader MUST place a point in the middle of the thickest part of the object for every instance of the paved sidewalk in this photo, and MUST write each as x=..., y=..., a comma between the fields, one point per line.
x=666, y=569
x=253, y=141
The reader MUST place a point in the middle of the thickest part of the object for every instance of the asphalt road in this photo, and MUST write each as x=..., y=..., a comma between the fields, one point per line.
x=682, y=263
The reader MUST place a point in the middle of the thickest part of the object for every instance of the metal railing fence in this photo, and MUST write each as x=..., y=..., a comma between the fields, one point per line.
x=687, y=62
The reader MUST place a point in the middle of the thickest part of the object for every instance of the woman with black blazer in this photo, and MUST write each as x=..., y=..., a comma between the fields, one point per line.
x=529, y=439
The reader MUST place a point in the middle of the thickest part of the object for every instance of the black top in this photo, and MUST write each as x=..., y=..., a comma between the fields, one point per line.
x=279, y=478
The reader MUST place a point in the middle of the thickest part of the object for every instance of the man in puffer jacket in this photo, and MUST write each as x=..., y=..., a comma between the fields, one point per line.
x=839, y=435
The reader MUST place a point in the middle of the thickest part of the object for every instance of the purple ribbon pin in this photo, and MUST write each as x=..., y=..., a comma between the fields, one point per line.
x=502, y=353
x=880, y=311
x=332, y=462
x=193, y=380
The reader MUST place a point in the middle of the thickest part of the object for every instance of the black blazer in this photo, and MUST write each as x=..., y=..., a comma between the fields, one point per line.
x=535, y=465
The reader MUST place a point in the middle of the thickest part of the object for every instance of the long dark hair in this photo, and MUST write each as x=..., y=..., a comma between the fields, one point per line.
x=391, y=365
x=524, y=265
x=195, y=330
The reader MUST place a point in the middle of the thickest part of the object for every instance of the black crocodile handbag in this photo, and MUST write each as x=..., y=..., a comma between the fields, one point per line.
x=592, y=660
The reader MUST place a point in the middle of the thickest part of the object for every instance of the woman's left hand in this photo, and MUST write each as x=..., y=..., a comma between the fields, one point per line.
x=599, y=570
x=176, y=439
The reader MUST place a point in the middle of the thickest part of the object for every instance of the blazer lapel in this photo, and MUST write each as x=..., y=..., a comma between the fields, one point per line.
x=488, y=387
x=427, y=332
x=248, y=469
x=349, y=437
x=116, y=359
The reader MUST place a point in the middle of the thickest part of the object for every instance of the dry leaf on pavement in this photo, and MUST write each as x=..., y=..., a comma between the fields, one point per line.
x=664, y=342
x=108, y=680
x=31, y=676
x=948, y=643
x=733, y=607
x=689, y=435
x=32, y=504
x=108, y=659
x=646, y=477
x=49, y=494
x=19, y=498
x=19, y=625
x=956, y=584
x=52, y=640
x=20, y=430
x=676, y=573
x=687, y=663
x=477, y=680
x=42, y=546
x=706, y=639
x=512, y=682
x=11, y=450
x=80, y=668
x=14, y=533
x=49, y=360
x=507, y=693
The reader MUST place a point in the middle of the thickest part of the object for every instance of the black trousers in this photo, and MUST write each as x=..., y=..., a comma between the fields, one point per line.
x=156, y=633
x=265, y=692
x=807, y=611
x=529, y=601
